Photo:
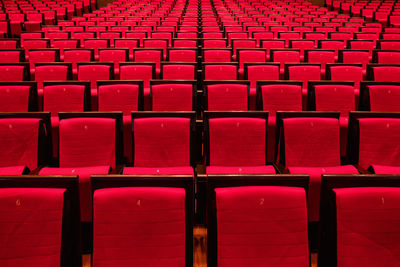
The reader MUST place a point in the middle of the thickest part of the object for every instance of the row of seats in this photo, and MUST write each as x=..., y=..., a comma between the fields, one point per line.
x=165, y=143
x=259, y=220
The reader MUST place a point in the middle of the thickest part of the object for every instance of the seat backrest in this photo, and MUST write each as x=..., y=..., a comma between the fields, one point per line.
x=304, y=73
x=16, y=98
x=384, y=98
x=282, y=97
x=52, y=72
x=376, y=144
x=156, y=202
x=386, y=73
x=285, y=56
x=178, y=72
x=77, y=55
x=31, y=209
x=162, y=141
x=147, y=56
x=226, y=97
x=265, y=207
x=11, y=56
x=311, y=142
x=335, y=97
x=317, y=56
x=387, y=57
x=94, y=72
x=63, y=98
x=86, y=142
x=172, y=97
x=217, y=55
x=214, y=43
x=236, y=141
x=183, y=55
x=119, y=97
x=365, y=204
x=220, y=72
x=258, y=72
x=13, y=73
x=346, y=73
x=251, y=56
x=113, y=55
x=349, y=56
x=20, y=141
x=138, y=72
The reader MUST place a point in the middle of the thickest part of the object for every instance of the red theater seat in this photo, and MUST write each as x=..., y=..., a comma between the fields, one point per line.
x=162, y=143
x=232, y=148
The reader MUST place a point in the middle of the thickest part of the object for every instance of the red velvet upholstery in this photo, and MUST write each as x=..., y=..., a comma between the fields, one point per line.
x=279, y=97
x=227, y=97
x=161, y=142
x=115, y=56
x=148, y=230
x=247, y=56
x=377, y=146
x=311, y=142
x=13, y=170
x=41, y=56
x=85, y=189
x=385, y=98
x=87, y=142
x=237, y=142
x=267, y=169
x=31, y=226
x=335, y=97
x=50, y=73
x=172, y=97
x=260, y=73
x=158, y=171
x=304, y=73
x=347, y=73
x=262, y=226
x=93, y=73
x=149, y=56
x=217, y=55
x=11, y=73
x=220, y=72
x=14, y=98
x=367, y=226
x=182, y=55
x=75, y=56
x=386, y=73
x=314, y=188
x=178, y=72
x=10, y=56
x=19, y=142
x=139, y=72
x=118, y=97
x=62, y=98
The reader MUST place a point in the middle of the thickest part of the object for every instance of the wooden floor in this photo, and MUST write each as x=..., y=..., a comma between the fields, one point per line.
x=200, y=249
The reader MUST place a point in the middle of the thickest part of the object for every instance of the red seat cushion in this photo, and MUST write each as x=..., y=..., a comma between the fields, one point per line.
x=368, y=228
x=262, y=226
x=380, y=169
x=31, y=226
x=147, y=230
